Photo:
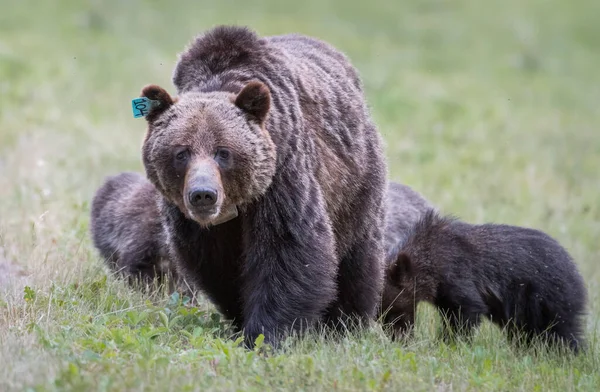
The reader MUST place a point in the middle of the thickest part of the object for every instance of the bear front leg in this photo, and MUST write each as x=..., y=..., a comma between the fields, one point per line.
x=290, y=267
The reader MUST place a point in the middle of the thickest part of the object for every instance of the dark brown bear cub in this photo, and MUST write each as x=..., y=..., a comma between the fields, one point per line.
x=520, y=278
x=277, y=129
x=126, y=228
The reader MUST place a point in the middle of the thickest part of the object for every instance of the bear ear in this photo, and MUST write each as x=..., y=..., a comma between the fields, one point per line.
x=255, y=100
x=401, y=268
x=160, y=96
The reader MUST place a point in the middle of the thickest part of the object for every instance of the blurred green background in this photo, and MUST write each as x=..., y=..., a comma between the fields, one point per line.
x=489, y=109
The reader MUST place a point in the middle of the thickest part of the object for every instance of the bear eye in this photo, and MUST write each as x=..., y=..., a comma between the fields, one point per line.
x=223, y=154
x=182, y=155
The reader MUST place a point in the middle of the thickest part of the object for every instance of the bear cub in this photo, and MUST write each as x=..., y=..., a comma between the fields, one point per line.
x=126, y=228
x=520, y=278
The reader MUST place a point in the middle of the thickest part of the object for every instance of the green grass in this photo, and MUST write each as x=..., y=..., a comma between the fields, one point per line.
x=490, y=109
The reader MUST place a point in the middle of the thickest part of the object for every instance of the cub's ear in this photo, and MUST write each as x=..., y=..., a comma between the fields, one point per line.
x=255, y=100
x=160, y=96
x=401, y=268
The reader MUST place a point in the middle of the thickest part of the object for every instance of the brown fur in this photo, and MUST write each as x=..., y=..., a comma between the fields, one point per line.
x=305, y=168
x=126, y=228
x=519, y=278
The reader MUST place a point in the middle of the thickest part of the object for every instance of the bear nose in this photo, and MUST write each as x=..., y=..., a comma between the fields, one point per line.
x=203, y=197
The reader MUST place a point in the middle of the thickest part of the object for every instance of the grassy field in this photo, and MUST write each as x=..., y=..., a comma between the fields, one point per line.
x=490, y=110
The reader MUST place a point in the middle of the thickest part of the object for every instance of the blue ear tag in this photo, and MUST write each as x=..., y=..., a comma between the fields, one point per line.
x=141, y=106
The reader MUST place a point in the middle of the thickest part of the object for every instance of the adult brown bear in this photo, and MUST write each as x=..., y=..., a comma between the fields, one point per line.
x=276, y=128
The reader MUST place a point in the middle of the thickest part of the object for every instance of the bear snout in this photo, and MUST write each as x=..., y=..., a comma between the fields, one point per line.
x=203, y=197
x=203, y=194
x=203, y=191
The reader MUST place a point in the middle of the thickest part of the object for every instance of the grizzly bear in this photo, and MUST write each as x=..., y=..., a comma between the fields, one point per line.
x=272, y=178
x=126, y=228
x=519, y=278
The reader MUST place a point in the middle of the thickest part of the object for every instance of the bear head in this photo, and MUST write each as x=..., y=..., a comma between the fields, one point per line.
x=209, y=153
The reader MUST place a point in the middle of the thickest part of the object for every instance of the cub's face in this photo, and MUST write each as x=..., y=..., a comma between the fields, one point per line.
x=208, y=153
x=399, y=295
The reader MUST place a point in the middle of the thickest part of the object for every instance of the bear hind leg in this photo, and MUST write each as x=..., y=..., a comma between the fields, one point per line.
x=359, y=282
